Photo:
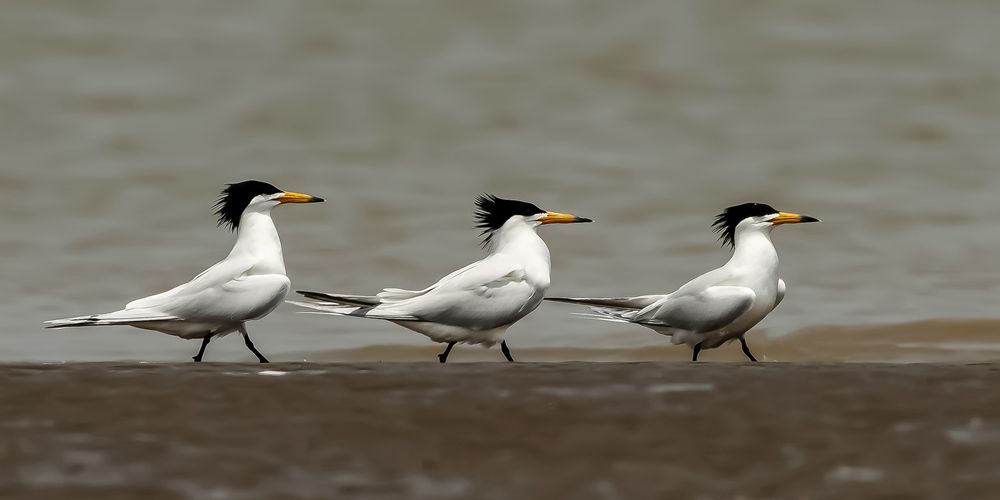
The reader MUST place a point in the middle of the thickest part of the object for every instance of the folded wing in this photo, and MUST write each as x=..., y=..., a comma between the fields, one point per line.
x=486, y=294
x=223, y=293
x=706, y=311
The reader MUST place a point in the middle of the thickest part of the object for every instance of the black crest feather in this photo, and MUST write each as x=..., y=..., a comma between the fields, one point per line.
x=726, y=222
x=235, y=198
x=493, y=212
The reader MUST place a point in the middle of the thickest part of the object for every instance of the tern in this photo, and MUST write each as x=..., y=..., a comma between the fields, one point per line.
x=246, y=285
x=479, y=302
x=720, y=305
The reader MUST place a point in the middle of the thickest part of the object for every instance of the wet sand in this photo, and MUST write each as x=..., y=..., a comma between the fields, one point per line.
x=496, y=430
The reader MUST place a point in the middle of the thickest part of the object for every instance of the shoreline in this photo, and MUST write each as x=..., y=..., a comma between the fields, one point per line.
x=927, y=341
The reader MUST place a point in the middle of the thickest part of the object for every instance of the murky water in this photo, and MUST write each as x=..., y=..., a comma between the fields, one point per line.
x=122, y=120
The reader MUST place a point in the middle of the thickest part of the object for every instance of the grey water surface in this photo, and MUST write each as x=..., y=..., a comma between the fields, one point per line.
x=122, y=120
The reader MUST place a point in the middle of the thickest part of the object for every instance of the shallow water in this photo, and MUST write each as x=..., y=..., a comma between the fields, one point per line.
x=123, y=120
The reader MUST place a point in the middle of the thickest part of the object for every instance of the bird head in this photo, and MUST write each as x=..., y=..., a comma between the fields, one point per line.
x=240, y=197
x=493, y=213
x=753, y=216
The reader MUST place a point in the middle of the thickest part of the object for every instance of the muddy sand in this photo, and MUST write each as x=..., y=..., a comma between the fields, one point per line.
x=497, y=430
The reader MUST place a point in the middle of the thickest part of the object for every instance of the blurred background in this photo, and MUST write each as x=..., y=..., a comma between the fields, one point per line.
x=123, y=119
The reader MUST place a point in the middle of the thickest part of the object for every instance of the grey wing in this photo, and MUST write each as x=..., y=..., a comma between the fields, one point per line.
x=239, y=299
x=386, y=296
x=483, y=294
x=710, y=310
x=400, y=294
x=485, y=297
x=712, y=278
x=217, y=275
x=781, y=292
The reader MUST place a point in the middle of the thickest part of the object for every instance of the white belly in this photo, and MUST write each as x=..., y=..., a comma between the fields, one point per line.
x=447, y=333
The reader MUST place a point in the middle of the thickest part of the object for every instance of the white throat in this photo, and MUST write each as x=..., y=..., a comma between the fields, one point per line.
x=754, y=250
x=518, y=239
x=257, y=237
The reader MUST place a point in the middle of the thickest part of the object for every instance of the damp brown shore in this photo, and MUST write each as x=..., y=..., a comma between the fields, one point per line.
x=497, y=430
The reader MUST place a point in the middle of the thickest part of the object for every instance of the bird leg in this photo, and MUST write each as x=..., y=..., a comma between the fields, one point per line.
x=249, y=343
x=746, y=350
x=697, y=349
x=204, y=344
x=506, y=351
x=443, y=357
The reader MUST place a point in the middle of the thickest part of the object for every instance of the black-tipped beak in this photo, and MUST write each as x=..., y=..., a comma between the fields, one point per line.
x=290, y=197
x=558, y=218
x=790, y=218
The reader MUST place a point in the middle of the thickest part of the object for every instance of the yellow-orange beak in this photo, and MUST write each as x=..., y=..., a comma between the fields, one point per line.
x=290, y=197
x=790, y=218
x=558, y=218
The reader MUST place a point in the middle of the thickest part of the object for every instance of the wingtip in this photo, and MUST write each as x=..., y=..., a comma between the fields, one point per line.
x=60, y=323
x=311, y=295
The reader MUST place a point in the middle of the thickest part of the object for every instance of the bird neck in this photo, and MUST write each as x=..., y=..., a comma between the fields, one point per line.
x=256, y=236
x=753, y=249
x=520, y=240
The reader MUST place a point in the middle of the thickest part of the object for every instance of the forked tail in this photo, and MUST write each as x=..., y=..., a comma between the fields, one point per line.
x=349, y=305
x=339, y=299
x=123, y=317
x=630, y=303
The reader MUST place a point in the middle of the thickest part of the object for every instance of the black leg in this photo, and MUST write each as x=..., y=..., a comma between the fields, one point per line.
x=697, y=349
x=746, y=350
x=506, y=351
x=443, y=357
x=246, y=338
x=204, y=344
